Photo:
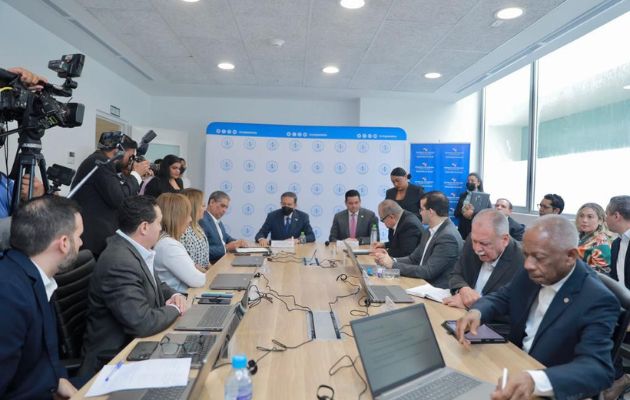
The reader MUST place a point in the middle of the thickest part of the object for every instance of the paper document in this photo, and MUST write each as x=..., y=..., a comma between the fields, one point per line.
x=430, y=292
x=252, y=250
x=156, y=373
x=283, y=244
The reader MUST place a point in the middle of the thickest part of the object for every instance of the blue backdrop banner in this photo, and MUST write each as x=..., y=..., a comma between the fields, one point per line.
x=441, y=166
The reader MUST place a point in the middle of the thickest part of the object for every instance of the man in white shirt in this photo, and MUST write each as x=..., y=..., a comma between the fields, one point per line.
x=560, y=313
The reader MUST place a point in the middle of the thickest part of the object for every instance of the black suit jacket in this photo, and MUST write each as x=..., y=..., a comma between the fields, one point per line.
x=411, y=202
x=158, y=185
x=614, y=255
x=125, y=302
x=99, y=198
x=274, y=224
x=340, y=228
x=405, y=239
x=467, y=267
x=516, y=230
x=465, y=224
x=29, y=359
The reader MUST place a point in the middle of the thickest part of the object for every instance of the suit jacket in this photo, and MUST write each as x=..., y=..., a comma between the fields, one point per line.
x=467, y=267
x=125, y=302
x=614, y=256
x=516, y=230
x=340, y=228
x=29, y=359
x=440, y=256
x=411, y=202
x=274, y=224
x=405, y=239
x=464, y=225
x=216, y=248
x=574, y=339
x=158, y=185
x=99, y=198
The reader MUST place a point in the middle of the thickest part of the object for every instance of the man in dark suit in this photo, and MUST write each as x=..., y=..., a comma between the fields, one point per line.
x=405, y=229
x=355, y=222
x=618, y=221
x=45, y=236
x=104, y=191
x=286, y=222
x=560, y=313
x=126, y=297
x=438, y=250
x=488, y=261
x=219, y=241
x=505, y=207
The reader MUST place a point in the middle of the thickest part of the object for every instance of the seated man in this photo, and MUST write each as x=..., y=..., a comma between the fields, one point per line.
x=551, y=204
x=618, y=221
x=219, y=241
x=45, y=236
x=489, y=260
x=438, y=250
x=126, y=298
x=286, y=222
x=405, y=229
x=505, y=207
x=355, y=222
x=560, y=313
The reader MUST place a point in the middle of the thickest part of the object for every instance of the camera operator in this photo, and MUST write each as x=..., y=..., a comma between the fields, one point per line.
x=103, y=192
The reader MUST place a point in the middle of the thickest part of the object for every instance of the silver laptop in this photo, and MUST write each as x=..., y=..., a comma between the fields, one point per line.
x=377, y=293
x=211, y=317
x=479, y=200
x=402, y=359
x=248, y=261
x=231, y=281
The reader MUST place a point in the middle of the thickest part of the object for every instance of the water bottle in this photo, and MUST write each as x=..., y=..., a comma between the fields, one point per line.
x=238, y=385
x=302, y=238
x=374, y=234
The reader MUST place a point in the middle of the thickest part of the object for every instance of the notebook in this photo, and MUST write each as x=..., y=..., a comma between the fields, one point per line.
x=430, y=292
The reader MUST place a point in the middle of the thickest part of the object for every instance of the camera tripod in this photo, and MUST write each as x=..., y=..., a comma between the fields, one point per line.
x=27, y=158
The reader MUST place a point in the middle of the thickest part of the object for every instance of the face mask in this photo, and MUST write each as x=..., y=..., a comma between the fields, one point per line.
x=471, y=186
x=287, y=210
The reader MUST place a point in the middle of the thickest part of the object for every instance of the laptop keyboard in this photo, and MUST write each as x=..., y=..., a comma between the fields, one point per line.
x=169, y=393
x=206, y=344
x=445, y=388
x=214, y=316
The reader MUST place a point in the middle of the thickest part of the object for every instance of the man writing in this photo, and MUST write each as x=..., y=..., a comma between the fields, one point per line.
x=219, y=241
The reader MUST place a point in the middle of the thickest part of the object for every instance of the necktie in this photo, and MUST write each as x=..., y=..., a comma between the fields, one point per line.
x=425, y=247
x=287, y=224
x=353, y=226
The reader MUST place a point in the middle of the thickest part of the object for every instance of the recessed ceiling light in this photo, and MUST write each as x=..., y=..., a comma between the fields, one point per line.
x=190, y=1
x=330, y=69
x=226, y=66
x=627, y=87
x=352, y=4
x=432, y=75
x=509, y=13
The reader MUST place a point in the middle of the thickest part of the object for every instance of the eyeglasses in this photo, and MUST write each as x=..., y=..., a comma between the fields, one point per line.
x=168, y=348
x=544, y=206
x=384, y=218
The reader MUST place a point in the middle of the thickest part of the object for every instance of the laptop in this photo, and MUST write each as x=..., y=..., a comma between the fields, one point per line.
x=252, y=250
x=402, y=359
x=378, y=293
x=479, y=200
x=248, y=261
x=211, y=317
x=231, y=281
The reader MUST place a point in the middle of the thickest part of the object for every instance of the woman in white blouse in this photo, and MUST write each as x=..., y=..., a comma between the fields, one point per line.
x=172, y=262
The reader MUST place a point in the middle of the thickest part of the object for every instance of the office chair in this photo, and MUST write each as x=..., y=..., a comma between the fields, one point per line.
x=71, y=305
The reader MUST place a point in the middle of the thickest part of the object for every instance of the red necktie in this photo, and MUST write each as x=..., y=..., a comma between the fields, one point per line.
x=353, y=226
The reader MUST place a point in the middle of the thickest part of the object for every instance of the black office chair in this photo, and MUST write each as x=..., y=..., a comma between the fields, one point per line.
x=71, y=304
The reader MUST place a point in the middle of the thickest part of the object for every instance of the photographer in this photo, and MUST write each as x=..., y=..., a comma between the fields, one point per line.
x=103, y=192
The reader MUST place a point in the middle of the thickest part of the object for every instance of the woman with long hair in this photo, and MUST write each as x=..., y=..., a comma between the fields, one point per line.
x=194, y=239
x=594, y=245
x=168, y=178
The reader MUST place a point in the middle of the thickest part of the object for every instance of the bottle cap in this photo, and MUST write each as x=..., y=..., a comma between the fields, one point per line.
x=239, y=361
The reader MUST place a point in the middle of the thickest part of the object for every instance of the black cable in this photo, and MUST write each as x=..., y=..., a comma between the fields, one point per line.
x=333, y=370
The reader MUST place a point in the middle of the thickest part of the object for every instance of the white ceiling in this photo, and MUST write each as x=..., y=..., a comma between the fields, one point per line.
x=173, y=47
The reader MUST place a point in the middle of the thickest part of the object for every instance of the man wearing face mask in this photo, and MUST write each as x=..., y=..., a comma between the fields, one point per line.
x=104, y=191
x=286, y=222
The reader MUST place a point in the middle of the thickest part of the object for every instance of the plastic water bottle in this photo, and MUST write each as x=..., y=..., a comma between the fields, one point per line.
x=238, y=385
x=302, y=238
x=374, y=234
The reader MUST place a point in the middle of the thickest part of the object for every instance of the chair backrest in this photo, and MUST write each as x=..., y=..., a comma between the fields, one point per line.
x=71, y=304
x=623, y=295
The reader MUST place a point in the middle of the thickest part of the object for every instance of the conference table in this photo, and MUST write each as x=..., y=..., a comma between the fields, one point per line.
x=297, y=373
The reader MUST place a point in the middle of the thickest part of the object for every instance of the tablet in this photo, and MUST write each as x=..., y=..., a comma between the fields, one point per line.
x=484, y=333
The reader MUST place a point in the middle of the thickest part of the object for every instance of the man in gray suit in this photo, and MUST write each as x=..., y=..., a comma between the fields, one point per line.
x=437, y=252
x=488, y=261
x=126, y=298
x=355, y=222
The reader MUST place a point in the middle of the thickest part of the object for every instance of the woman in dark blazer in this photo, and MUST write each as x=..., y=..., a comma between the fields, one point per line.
x=406, y=194
x=167, y=179
x=464, y=211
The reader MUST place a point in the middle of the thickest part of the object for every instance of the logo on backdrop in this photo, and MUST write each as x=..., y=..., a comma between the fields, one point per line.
x=249, y=165
x=272, y=145
x=227, y=143
x=271, y=187
x=248, y=231
x=317, y=232
x=250, y=144
x=294, y=145
x=317, y=167
x=339, y=189
x=249, y=187
x=338, y=209
x=363, y=168
x=294, y=187
x=295, y=167
x=340, y=168
x=363, y=147
x=382, y=189
x=363, y=190
x=317, y=211
x=384, y=169
x=317, y=189
x=340, y=147
x=248, y=209
x=318, y=146
x=269, y=208
x=385, y=148
x=226, y=164
x=226, y=186
x=272, y=166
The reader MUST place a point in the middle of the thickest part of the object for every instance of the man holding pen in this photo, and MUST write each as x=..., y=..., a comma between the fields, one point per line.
x=560, y=313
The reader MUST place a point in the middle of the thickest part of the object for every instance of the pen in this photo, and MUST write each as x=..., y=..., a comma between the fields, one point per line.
x=217, y=294
x=505, y=378
x=116, y=368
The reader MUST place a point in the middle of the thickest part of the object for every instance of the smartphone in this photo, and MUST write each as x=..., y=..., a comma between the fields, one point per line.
x=142, y=351
x=214, y=300
x=485, y=334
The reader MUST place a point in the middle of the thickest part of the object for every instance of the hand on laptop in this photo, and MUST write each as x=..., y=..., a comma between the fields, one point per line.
x=520, y=386
x=235, y=245
x=469, y=322
x=264, y=242
x=179, y=301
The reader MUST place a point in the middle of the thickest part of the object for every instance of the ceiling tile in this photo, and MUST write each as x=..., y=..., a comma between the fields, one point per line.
x=430, y=12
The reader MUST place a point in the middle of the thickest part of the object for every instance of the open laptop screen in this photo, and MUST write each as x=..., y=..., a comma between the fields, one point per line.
x=396, y=347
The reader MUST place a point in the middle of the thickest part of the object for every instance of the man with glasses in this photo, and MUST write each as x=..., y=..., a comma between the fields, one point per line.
x=551, y=204
x=405, y=229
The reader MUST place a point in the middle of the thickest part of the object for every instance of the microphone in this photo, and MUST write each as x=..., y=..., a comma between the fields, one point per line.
x=327, y=243
x=143, y=146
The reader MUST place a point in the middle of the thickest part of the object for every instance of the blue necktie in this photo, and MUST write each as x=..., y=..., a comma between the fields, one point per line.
x=287, y=224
